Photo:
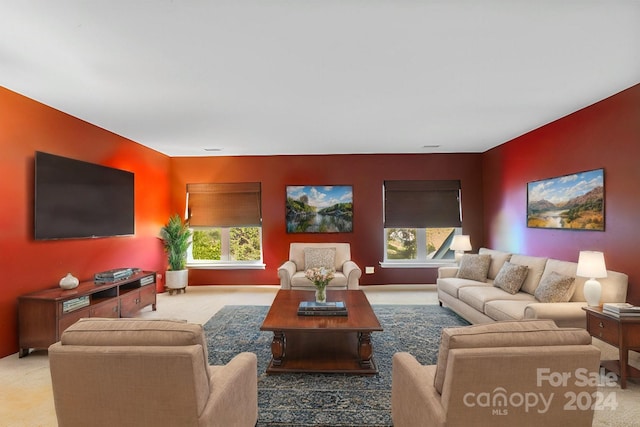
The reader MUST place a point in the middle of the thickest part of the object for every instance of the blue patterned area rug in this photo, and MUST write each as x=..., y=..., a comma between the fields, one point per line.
x=329, y=399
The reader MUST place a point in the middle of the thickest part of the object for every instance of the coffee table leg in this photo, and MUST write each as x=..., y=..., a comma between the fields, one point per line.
x=277, y=348
x=365, y=349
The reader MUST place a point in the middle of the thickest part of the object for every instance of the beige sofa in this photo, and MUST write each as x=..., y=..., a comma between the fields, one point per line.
x=331, y=255
x=479, y=301
x=136, y=372
x=499, y=374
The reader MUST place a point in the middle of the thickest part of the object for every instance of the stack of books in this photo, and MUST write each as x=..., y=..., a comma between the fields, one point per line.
x=312, y=308
x=111, y=276
x=621, y=309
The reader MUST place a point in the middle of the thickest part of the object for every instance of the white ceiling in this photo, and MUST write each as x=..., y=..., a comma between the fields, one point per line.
x=262, y=77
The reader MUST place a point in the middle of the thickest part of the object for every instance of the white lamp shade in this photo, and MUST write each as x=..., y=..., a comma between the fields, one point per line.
x=591, y=264
x=460, y=242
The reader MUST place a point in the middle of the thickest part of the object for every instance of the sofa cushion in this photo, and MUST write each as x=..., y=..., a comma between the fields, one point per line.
x=511, y=277
x=452, y=285
x=536, y=268
x=299, y=280
x=478, y=296
x=555, y=287
x=319, y=257
x=528, y=333
x=474, y=267
x=498, y=258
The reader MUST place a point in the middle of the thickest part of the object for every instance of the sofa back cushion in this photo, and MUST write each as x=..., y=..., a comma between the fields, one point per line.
x=614, y=286
x=474, y=267
x=135, y=332
x=297, y=253
x=536, y=268
x=528, y=333
x=498, y=258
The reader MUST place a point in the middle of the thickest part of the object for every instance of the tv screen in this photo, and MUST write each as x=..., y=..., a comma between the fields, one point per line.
x=76, y=199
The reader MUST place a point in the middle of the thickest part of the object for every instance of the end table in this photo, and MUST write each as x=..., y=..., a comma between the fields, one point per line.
x=621, y=332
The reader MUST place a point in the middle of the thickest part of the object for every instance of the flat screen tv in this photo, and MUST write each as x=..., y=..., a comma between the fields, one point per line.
x=76, y=199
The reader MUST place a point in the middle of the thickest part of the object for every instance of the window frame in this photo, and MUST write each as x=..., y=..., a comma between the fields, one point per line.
x=224, y=263
x=421, y=259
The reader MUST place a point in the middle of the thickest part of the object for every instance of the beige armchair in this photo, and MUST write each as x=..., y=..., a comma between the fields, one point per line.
x=303, y=256
x=528, y=373
x=136, y=372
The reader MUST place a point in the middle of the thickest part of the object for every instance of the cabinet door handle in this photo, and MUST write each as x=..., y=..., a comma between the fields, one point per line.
x=601, y=325
x=115, y=309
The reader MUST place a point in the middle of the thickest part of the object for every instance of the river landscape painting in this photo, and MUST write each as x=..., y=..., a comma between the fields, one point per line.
x=573, y=202
x=319, y=209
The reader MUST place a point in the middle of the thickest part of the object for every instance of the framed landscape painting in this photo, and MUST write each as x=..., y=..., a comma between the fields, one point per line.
x=574, y=202
x=319, y=209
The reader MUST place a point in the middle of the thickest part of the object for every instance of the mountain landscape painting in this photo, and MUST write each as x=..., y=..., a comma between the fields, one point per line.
x=319, y=209
x=573, y=201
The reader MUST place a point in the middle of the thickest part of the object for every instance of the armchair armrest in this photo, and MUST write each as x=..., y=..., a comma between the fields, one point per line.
x=353, y=274
x=285, y=271
x=234, y=393
x=444, y=272
x=414, y=399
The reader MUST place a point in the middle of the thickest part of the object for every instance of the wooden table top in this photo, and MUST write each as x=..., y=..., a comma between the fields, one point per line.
x=283, y=315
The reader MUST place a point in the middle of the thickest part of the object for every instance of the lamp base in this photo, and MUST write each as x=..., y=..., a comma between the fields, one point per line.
x=592, y=292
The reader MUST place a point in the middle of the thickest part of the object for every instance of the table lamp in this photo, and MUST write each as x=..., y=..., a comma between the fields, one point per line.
x=591, y=264
x=459, y=244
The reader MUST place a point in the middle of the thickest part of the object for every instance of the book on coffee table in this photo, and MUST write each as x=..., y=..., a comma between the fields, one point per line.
x=312, y=308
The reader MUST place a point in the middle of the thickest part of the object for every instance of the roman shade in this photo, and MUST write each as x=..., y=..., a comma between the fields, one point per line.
x=224, y=204
x=422, y=204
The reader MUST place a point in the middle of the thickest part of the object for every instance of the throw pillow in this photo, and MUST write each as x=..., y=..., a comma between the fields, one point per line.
x=511, y=277
x=555, y=288
x=319, y=257
x=474, y=267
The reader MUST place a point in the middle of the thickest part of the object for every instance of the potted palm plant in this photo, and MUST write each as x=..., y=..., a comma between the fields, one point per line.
x=175, y=235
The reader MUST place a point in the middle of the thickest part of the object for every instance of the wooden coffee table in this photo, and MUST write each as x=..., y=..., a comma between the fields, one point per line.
x=328, y=344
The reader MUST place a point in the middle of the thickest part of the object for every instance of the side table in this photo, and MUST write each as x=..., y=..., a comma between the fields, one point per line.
x=620, y=332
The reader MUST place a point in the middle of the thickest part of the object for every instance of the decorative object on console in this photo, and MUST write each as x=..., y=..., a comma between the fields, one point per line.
x=460, y=244
x=591, y=264
x=69, y=281
x=175, y=235
x=320, y=277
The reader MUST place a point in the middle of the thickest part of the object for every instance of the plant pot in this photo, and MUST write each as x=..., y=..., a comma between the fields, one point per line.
x=177, y=279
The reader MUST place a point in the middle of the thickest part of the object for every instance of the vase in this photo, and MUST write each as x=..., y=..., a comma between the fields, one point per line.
x=321, y=294
x=69, y=282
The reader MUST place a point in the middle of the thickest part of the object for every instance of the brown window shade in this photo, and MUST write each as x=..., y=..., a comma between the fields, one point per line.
x=422, y=204
x=224, y=205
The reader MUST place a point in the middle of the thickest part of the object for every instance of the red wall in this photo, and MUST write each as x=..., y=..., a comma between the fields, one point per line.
x=604, y=135
x=366, y=173
x=27, y=126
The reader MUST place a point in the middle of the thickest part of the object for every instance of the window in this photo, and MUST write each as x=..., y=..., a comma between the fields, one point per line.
x=420, y=220
x=226, y=220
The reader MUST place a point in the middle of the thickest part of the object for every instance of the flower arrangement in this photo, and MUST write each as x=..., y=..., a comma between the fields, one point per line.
x=320, y=277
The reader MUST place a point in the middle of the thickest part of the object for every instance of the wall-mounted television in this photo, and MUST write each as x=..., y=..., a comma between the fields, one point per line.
x=76, y=199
